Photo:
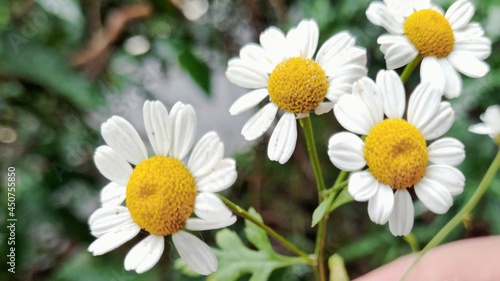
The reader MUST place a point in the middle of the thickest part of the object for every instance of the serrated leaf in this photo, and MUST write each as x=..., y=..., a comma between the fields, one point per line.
x=256, y=235
x=236, y=259
x=337, y=268
x=320, y=211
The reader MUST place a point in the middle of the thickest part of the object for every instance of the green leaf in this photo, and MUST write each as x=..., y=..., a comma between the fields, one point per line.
x=337, y=268
x=328, y=205
x=320, y=211
x=197, y=68
x=256, y=235
x=29, y=60
x=4, y=16
x=236, y=259
x=343, y=198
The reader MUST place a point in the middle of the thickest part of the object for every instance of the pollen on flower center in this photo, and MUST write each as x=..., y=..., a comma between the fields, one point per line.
x=396, y=153
x=430, y=32
x=297, y=85
x=160, y=195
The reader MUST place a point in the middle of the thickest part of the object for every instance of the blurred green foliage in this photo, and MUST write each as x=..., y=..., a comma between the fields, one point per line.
x=53, y=76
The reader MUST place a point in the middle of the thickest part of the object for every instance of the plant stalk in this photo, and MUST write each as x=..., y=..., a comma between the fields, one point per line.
x=320, y=185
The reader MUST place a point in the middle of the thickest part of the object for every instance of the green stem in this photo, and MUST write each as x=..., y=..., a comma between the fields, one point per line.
x=319, y=249
x=313, y=154
x=412, y=241
x=410, y=68
x=337, y=187
x=340, y=178
x=244, y=214
x=481, y=189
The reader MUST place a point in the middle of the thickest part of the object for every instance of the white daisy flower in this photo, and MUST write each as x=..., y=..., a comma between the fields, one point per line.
x=396, y=151
x=491, y=125
x=161, y=192
x=282, y=68
x=448, y=42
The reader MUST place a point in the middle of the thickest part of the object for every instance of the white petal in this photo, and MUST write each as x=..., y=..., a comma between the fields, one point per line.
x=482, y=129
x=431, y=72
x=246, y=74
x=333, y=46
x=260, y=122
x=248, y=101
x=423, y=105
x=112, y=165
x=155, y=121
x=356, y=55
x=209, y=206
x=113, y=239
x=222, y=176
x=393, y=93
x=398, y=53
x=256, y=55
x=143, y=256
x=323, y=108
x=449, y=177
x=206, y=154
x=471, y=31
x=479, y=47
x=491, y=125
x=273, y=40
x=491, y=118
x=346, y=151
x=446, y=151
x=196, y=253
x=468, y=65
x=271, y=37
x=362, y=186
x=182, y=127
x=433, y=195
x=283, y=140
x=379, y=14
x=405, y=8
x=112, y=194
x=346, y=74
x=348, y=56
x=353, y=114
x=121, y=136
x=366, y=90
x=423, y=4
x=381, y=204
x=387, y=41
x=196, y=224
x=440, y=123
x=304, y=37
x=460, y=13
x=109, y=218
x=401, y=220
x=336, y=90
x=453, y=87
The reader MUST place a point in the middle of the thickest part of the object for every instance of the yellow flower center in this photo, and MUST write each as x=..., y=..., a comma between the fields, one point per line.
x=160, y=195
x=297, y=85
x=430, y=32
x=396, y=153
